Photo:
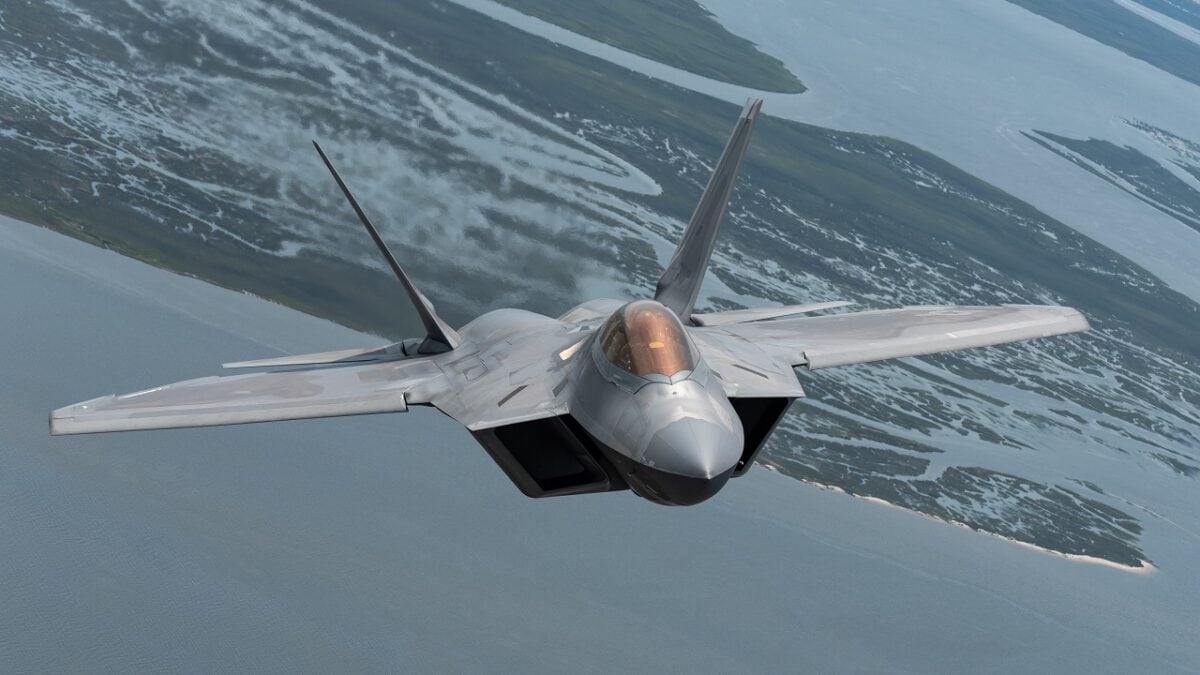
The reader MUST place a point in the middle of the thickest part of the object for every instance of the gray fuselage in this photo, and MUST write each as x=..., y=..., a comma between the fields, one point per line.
x=674, y=437
x=649, y=404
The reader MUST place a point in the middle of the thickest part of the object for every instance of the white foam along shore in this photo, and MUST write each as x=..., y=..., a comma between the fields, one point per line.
x=1144, y=566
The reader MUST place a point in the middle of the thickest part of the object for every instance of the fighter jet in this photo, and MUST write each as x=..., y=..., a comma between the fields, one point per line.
x=647, y=395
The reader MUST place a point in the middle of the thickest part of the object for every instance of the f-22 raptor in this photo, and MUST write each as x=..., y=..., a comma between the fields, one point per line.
x=649, y=395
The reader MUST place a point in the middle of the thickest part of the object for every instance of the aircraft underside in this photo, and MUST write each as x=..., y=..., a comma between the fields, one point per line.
x=557, y=456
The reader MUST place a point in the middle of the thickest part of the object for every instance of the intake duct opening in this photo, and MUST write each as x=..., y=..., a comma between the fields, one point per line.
x=550, y=457
x=759, y=417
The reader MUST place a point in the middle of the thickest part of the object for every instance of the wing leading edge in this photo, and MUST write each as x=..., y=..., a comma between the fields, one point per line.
x=862, y=337
x=762, y=313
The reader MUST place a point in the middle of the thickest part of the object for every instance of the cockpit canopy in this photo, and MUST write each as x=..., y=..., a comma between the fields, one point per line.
x=644, y=338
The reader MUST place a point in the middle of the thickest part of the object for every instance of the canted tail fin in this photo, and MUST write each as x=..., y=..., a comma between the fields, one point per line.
x=680, y=283
x=439, y=336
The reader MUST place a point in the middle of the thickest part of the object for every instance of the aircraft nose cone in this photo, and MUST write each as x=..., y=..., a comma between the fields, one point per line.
x=694, y=448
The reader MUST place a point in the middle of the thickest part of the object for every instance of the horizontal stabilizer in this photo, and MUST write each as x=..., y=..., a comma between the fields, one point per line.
x=762, y=313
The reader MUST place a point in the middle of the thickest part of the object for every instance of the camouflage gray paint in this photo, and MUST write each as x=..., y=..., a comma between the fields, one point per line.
x=550, y=404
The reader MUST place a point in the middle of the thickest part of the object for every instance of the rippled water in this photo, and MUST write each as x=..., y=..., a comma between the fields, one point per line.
x=392, y=542
x=199, y=116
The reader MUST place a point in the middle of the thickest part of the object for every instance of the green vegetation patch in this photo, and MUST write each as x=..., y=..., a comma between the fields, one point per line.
x=1108, y=23
x=1049, y=516
x=813, y=204
x=1129, y=170
x=679, y=33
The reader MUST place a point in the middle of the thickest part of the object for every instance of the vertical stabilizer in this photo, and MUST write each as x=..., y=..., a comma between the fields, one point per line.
x=680, y=283
x=440, y=337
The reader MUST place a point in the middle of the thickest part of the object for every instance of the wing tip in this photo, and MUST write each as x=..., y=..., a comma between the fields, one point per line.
x=65, y=421
x=61, y=425
x=1066, y=319
x=1076, y=321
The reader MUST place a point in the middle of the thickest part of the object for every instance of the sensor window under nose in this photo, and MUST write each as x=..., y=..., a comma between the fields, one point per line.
x=645, y=338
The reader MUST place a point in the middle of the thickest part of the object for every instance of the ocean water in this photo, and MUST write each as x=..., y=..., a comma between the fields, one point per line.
x=963, y=79
x=393, y=543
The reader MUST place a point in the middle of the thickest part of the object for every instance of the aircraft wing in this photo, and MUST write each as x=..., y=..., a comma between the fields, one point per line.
x=517, y=380
x=860, y=337
x=254, y=397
